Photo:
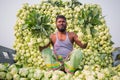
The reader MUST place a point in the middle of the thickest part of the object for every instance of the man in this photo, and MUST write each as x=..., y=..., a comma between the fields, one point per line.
x=62, y=42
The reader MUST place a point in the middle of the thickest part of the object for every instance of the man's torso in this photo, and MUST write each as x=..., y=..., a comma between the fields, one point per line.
x=62, y=38
x=62, y=43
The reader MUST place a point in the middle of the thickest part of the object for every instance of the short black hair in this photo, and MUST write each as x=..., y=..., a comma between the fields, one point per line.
x=60, y=16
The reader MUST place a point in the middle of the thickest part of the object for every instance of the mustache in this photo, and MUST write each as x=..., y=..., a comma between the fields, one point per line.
x=62, y=25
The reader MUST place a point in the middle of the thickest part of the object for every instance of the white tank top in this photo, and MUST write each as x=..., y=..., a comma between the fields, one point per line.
x=63, y=48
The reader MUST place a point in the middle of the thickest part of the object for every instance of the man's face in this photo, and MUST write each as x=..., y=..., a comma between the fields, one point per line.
x=61, y=25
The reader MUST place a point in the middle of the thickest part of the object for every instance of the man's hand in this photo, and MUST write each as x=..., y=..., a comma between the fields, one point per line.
x=85, y=45
x=41, y=48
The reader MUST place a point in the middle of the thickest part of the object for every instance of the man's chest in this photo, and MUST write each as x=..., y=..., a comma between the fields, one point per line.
x=62, y=38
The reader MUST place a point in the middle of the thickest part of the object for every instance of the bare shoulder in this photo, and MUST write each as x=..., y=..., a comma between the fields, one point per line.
x=53, y=38
x=52, y=35
x=71, y=34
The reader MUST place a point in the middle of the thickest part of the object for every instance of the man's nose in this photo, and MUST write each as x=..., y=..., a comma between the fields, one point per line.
x=61, y=22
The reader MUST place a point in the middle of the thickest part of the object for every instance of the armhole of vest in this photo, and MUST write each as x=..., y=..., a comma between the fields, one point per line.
x=56, y=35
x=69, y=38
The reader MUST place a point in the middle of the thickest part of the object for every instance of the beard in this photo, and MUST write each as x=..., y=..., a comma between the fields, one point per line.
x=62, y=29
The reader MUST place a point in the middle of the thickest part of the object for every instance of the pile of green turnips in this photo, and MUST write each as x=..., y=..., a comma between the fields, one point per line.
x=15, y=72
x=32, y=29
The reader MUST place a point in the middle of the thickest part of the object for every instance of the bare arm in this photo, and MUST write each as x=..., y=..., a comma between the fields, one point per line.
x=78, y=42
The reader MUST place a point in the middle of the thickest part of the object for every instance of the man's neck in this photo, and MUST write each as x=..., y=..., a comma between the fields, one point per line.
x=62, y=36
x=61, y=33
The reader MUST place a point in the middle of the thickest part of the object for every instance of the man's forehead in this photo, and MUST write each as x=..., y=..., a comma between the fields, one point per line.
x=61, y=19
